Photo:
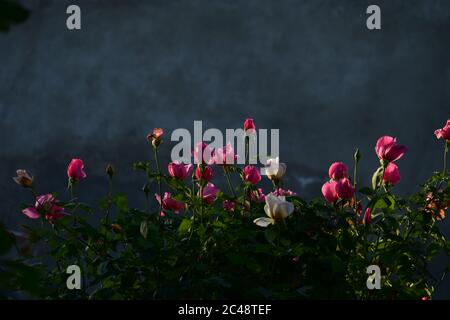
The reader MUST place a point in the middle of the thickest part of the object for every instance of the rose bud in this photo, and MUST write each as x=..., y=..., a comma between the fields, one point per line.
x=209, y=193
x=251, y=174
x=391, y=174
x=156, y=137
x=23, y=179
x=207, y=174
x=75, y=170
x=110, y=170
x=338, y=170
x=249, y=126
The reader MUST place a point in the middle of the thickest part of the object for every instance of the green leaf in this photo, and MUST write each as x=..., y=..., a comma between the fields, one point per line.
x=144, y=229
x=376, y=178
x=185, y=226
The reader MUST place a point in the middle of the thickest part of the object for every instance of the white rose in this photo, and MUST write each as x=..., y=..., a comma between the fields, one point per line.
x=276, y=208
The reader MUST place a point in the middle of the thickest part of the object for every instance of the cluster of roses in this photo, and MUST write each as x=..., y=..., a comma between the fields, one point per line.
x=338, y=189
x=206, y=157
x=47, y=205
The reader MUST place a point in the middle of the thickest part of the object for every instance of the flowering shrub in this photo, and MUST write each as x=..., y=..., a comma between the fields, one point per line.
x=196, y=241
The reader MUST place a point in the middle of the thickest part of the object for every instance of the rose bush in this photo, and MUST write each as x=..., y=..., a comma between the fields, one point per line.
x=196, y=241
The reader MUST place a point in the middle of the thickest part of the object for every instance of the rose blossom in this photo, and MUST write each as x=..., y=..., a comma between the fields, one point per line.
x=329, y=191
x=249, y=126
x=209, y=193
x=75, y=170
x=251, y=174
x=170, y=204
x=388, y=149
x=391, y=174
x=338, y=170
x=444, y=133
x=207, y=174
x=179, y=170
x=344, y=189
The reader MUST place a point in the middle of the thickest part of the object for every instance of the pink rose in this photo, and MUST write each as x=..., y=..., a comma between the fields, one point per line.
x=209, y=193
x=178, y=170
x=344, y=189
x=229, y=205
x=388, y=149
x=170, y=204
x=224, y=155
x=338, y=170
x=444, y=133
x=49, y=205
x=249, y=126
x=207, y=175
x=391, y=174
x=251, y=174
x=203, y=153
x=280, y=192
x=367, y=218
x=75, y=170
x=329, y=191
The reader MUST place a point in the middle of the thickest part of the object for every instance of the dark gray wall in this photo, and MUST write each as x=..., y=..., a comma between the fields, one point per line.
x=310, y=68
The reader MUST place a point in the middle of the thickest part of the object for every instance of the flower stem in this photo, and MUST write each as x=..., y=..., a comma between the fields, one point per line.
x=247, y=155
x=158, y=169
x=355, y=175
x=227, y=176
x=444, y=172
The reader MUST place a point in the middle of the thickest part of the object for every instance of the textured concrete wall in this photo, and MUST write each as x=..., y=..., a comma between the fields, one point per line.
x=310, y=68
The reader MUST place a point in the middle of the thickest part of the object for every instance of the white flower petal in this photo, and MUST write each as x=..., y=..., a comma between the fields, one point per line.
x=263, y=222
